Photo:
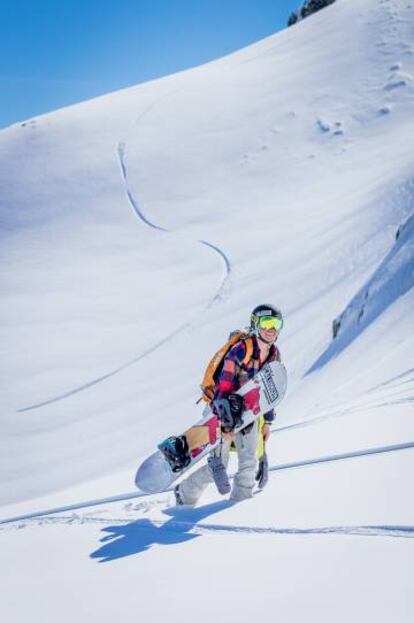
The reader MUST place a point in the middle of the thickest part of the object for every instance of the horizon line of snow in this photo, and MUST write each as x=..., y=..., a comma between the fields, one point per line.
x=128, y=496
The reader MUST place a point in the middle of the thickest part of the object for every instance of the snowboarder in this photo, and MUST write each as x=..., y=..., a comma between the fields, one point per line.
x=266, y=322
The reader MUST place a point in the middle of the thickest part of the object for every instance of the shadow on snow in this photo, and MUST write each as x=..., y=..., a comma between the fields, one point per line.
x=138, y=536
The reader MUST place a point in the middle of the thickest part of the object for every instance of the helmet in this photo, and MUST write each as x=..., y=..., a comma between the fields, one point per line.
x=264, y=310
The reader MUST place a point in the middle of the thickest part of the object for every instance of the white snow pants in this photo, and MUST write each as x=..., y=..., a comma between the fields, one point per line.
x=246, y=445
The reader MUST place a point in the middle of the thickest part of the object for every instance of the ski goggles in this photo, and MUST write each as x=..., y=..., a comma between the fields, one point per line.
x=270, y=322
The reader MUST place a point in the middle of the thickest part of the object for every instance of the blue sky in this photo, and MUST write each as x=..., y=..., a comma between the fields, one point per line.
x=55, y=53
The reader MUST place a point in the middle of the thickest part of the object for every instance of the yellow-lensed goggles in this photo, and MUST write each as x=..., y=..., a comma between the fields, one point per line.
x=270, y=322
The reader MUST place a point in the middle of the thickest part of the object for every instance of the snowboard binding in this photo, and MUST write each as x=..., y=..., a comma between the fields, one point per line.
x=175, y=450
x=229, y=412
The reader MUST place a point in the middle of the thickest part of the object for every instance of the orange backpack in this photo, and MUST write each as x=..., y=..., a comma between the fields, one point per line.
x=210, y=375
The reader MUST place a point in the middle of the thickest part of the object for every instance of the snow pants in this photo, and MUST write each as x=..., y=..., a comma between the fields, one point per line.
x=246, y=445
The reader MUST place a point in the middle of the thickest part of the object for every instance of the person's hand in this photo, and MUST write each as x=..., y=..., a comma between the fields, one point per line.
x=229, y=437
x=266, y=431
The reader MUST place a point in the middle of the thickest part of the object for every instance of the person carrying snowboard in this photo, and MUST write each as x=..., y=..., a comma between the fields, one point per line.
x=241, y=363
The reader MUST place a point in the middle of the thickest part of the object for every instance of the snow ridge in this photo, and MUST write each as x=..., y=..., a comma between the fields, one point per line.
x=392, y=279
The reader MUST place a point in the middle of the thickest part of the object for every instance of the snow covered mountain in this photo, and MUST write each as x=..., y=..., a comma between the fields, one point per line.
x=141, y=227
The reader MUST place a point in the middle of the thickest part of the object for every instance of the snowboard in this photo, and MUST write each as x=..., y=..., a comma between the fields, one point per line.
x=158, y=472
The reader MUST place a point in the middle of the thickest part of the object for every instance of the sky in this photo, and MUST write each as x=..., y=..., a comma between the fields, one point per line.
x=56, y=53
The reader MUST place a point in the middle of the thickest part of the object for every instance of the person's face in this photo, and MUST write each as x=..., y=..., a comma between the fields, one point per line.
x=269, y=335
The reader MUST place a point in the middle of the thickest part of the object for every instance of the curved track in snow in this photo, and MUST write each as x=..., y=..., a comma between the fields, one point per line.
x=133, y=202
x=134, y=495
x=140, y=214
x=218, y=296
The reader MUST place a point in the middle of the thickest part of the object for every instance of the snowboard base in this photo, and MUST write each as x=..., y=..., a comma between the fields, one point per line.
x=155, y=474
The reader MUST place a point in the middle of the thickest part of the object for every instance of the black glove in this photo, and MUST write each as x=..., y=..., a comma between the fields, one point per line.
x=262, y=475
x=229, y=412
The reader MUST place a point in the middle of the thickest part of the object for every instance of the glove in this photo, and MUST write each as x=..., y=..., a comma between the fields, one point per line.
x=262, y=475
x=229, y=412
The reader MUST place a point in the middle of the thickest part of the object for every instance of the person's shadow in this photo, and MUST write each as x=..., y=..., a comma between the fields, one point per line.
x=138, y=536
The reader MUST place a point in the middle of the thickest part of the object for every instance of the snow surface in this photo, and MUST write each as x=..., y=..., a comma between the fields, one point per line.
x=141, y=227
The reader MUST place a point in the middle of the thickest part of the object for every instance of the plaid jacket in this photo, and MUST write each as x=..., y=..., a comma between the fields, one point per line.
x=234, y=373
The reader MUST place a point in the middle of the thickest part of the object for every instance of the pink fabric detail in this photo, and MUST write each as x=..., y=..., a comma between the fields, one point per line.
x=252, y=400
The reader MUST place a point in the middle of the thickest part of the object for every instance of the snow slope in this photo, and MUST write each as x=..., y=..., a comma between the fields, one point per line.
x=138, y=229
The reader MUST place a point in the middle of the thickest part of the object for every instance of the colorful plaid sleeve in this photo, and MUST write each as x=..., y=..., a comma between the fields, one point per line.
x=228, y=380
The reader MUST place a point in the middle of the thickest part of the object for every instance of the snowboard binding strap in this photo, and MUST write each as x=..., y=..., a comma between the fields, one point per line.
x=175, y=450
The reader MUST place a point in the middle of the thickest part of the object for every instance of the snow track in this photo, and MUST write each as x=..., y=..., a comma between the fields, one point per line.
x=285, y=466
x=108, y=375
x=140, y=214
x=133, y=202
x=184, y=526
x=345, y=455
x=217, y=297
